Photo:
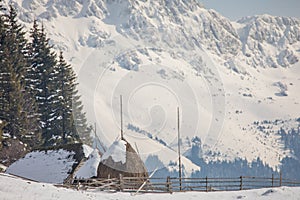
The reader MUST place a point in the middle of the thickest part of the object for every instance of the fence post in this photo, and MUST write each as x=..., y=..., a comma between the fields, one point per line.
x=206, y=183
x=280, y=179
x=272, y=180
x=169, y=184
x=78, y=185
x=121, y=182
x=241, y=182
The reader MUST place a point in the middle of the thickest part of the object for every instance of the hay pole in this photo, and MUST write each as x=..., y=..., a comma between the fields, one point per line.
x=121, y=113
x=179, y=155
x=144, y=183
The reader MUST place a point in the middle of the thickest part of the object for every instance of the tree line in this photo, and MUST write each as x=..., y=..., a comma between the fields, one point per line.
x=39, y=102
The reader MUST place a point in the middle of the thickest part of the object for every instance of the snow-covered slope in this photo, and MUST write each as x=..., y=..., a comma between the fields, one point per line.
x=12, y=188
x=161, y=54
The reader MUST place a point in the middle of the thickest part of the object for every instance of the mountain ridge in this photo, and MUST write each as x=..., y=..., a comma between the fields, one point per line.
x=214, y=31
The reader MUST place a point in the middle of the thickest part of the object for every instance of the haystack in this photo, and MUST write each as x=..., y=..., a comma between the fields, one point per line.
x=122, y=159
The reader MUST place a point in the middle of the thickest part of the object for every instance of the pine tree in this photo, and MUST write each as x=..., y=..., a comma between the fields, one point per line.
x=18, y=106
x=3, y=31
x=66, y=86
x=17, y=44
x=42, y=81
x=9, y=83
x=72, y=121
x=32, y=78
x=13, y=100
x=19, y=53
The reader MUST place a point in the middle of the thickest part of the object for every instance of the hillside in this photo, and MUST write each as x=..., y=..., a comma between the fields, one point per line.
x=225, y=76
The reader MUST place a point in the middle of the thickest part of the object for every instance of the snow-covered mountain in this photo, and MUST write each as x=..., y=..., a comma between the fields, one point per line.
x=270, y=41
x=159, y=54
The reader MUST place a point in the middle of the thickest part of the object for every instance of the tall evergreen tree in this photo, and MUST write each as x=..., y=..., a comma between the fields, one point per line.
x=42, y=77
x=71, y=120
x=66, y=86
x=19, y=54
x=13, y=99
x=17, y=44
x=9, y=82
x=18, y=106
x=3, y=32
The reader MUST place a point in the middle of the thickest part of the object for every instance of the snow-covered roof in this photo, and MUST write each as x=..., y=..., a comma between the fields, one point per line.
x=89, y=168
x=51, y=166
x=87, y=150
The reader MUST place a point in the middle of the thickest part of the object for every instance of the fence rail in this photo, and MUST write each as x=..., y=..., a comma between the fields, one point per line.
x=170, y=184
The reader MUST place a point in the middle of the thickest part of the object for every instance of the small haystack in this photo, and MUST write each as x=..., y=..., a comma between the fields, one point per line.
x=122, y=159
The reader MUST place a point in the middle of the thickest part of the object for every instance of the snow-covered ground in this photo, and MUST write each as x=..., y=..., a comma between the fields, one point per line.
x=12, y=188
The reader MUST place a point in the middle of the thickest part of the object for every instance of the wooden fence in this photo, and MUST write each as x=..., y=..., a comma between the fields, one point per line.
x=169, y=184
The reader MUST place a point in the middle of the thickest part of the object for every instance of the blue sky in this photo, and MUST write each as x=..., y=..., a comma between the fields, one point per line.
x=235, y=9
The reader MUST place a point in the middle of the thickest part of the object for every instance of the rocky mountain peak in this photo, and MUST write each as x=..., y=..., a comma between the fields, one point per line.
x=262, y=33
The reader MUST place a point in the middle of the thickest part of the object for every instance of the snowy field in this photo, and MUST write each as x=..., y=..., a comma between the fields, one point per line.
x=16, y=188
